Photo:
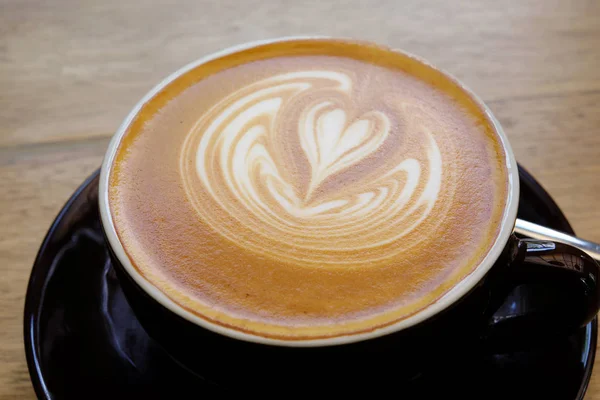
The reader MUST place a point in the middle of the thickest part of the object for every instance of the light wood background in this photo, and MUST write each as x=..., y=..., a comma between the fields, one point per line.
x=70, y=70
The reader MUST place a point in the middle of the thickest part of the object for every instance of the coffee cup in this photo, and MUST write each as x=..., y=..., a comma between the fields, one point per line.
x=312, y=209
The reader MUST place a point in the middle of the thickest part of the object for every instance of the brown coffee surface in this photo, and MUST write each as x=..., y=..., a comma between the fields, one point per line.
x=308, y=189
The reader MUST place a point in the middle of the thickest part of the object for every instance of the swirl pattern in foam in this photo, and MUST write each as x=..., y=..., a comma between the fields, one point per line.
x=359, y=222
x=308, y=189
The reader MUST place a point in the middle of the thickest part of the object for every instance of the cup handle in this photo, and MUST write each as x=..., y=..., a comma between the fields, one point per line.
x=569, y=278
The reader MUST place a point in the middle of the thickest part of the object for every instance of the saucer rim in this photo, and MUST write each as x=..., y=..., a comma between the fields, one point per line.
x=34, y=295
x=39, y=277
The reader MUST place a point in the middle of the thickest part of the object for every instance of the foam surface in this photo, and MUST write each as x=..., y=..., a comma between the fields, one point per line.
x=305, y=191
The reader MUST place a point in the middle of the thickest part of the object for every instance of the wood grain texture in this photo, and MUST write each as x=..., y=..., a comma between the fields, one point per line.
x=70, y=70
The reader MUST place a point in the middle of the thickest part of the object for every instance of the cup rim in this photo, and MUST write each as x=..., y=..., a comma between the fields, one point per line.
x=462, y=288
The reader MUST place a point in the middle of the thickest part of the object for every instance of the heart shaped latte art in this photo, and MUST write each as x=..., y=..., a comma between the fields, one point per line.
x=293, y=167
x=331, y=145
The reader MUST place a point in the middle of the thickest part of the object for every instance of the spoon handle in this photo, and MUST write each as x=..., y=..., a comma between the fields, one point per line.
x=539, y=232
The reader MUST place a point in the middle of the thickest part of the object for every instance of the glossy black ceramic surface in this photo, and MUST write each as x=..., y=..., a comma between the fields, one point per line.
x=83, y=341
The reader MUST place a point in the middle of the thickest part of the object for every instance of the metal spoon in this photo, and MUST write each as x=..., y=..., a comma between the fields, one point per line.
x=536, y=231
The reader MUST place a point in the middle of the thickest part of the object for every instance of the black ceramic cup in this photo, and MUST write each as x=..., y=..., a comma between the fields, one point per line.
x=460, y=323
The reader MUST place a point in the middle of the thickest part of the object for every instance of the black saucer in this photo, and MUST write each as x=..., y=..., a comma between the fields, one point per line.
x=83, y=341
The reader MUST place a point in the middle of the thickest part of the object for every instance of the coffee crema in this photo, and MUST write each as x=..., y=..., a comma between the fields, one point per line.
x=308, y=189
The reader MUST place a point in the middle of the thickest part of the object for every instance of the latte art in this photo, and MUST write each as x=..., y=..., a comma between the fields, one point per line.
x=308, y=189
x=234, y=146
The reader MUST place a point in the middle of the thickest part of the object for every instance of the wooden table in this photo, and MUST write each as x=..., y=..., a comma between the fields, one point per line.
x=70, y=70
